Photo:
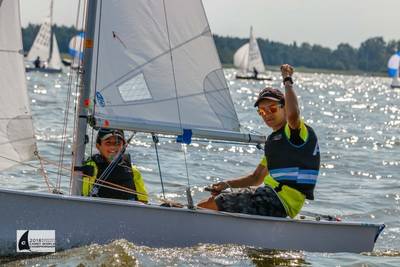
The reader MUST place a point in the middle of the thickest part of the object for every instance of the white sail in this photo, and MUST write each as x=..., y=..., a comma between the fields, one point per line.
x=44, y=48
x=41, y=44
x=76, y=49
x=255, y=58
x=248, y=56
x=241, y=57
x=158, y=66
x=55, y=60
x=17, y=142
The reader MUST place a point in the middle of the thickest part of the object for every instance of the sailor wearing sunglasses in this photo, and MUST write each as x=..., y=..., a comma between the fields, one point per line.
x=289, y=168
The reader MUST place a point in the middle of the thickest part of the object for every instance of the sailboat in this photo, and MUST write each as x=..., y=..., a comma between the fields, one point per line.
x=393, y=70
x=171, y=70
x=44, y=49
x=75, y=50
x=249, y=61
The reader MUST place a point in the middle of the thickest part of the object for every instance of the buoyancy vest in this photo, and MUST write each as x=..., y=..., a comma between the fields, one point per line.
x=124, y=174
x=293, y=169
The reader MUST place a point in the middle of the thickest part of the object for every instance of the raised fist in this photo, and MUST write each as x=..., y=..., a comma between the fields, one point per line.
x=286, y=70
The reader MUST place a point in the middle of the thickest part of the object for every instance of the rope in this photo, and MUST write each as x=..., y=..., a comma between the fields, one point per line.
x=115, y=187
x=113, y=164
x=155, y=140
x=46, y=178
x=66, y=116
x=78, y=81
x=188, y=194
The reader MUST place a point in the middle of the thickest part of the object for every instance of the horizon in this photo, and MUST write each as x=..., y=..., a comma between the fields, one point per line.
x=316, y=22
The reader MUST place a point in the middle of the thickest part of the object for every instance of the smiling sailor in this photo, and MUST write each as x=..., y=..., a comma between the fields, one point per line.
x=110, y=173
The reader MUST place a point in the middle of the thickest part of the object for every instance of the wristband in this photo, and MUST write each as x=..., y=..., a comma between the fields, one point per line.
x=288, y=79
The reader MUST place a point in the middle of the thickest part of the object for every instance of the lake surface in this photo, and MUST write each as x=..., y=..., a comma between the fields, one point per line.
x=356, y=118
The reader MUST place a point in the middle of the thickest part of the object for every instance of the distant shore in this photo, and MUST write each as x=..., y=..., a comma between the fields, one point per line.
x=325, y=71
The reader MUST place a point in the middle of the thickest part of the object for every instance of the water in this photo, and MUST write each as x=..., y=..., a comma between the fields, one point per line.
x=357, y=120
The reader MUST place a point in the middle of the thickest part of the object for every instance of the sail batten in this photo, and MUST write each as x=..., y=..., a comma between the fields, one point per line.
x=17, y=141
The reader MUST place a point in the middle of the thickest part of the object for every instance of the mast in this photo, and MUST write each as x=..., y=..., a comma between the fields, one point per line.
x=82, y=109
x=51, y=32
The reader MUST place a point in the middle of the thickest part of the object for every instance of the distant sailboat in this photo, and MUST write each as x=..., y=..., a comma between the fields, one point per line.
x=75, y=50
x=44, y=49
x=393, y=70
x=249, y=60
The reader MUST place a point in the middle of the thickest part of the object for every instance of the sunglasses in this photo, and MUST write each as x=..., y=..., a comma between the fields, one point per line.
x=268, y=110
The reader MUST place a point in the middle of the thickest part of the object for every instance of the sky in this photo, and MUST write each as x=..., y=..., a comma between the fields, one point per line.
x=324, y=22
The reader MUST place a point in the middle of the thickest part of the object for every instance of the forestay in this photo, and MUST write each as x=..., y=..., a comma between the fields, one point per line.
x=17, y=142
x=158, y=69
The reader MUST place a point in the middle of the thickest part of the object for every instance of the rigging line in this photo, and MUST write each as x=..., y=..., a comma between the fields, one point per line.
x=116, y=187
x=104, y=176
x=78, y=82
x=44, y=174
x=18, y=140
x=20, y=118
x=155, y=140
x=27, y=164
x=10, y=51
x=97, y=57
x=189, y=197
x=64, y=131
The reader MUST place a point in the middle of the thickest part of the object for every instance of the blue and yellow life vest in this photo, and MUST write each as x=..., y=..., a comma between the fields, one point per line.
x=293, y=169
x=124, y=174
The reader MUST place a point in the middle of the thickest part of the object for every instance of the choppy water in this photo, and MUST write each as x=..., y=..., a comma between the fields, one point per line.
x=357, y=120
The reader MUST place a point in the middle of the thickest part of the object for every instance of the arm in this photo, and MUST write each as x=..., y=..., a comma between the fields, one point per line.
x=291, y=104
x=253, y=179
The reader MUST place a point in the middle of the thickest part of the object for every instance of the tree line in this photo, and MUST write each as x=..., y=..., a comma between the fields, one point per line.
x=371, y=56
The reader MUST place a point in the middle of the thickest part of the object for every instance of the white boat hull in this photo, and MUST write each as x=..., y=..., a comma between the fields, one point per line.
x=45, y=70
x=250, y=76
x=81, y=221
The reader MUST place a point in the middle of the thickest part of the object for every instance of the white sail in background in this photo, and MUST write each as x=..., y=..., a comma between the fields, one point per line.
x=241, y=58
x=248, y=57
x=55, y=60
x=75, y=47
x=17, y=142
x=170, y=77
x=255, y=58
x=42, y=45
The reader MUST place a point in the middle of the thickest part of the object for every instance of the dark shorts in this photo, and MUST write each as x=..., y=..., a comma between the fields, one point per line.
x=261, y=201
